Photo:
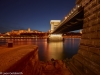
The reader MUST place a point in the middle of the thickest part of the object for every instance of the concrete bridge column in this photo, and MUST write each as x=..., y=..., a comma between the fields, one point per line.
x=54, y=24
x=87, y=60
x=54, y=37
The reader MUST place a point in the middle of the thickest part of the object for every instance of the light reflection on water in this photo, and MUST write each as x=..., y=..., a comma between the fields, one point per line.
x=56, y=50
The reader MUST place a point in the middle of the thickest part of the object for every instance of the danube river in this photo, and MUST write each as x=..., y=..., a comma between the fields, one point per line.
x=56, y=50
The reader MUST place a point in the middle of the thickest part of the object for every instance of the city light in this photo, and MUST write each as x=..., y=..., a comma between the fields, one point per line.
x=71, y=12
x=56, y=35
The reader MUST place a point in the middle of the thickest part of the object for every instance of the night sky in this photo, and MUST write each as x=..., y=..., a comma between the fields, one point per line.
x=34, y=14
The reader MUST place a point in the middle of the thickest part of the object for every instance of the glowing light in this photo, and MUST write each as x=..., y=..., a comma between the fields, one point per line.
x=65, y=17
x=69, y=14
x=78, y=5
x=56, y=35
x=71, y=11
x=1, y=36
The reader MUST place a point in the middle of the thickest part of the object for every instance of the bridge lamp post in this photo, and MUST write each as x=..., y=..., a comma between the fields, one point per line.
x=78, y=6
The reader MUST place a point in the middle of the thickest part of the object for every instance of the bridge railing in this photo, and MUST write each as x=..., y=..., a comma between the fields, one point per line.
x=69, y=15
x=72, y=11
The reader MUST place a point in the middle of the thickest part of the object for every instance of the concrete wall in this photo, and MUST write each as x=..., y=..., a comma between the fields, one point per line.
x=87, y=60
x=28, y=65
x=33, y=66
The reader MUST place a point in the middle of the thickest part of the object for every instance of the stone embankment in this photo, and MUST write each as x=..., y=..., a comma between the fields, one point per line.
x=55, y=68
x=15, y=59
x=23, y=60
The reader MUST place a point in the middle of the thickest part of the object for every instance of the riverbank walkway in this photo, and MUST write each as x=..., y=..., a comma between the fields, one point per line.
x=10, y=56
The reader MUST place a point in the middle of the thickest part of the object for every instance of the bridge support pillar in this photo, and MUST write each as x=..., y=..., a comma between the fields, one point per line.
x=55, y=37
x=87, y=60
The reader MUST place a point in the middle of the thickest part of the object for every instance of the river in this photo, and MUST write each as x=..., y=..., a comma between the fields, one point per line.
x=56, y=50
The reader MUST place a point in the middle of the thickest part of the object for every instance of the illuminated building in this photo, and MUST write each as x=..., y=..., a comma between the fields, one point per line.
x=29, y=29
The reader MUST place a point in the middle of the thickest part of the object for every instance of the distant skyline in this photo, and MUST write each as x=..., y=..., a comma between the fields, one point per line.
x=34, y=14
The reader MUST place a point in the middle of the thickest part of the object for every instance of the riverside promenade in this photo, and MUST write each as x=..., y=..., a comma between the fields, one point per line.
x=15, y=58
x=23, y=60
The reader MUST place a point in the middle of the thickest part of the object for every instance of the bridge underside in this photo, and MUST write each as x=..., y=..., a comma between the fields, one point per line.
x=74, y=23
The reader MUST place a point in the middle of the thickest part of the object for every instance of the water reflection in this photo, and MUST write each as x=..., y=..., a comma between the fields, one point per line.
x=56, y=50
x=71, y=46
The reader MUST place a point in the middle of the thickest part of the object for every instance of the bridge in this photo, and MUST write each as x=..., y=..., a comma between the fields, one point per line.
x=73, y=21
x=86, y=16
